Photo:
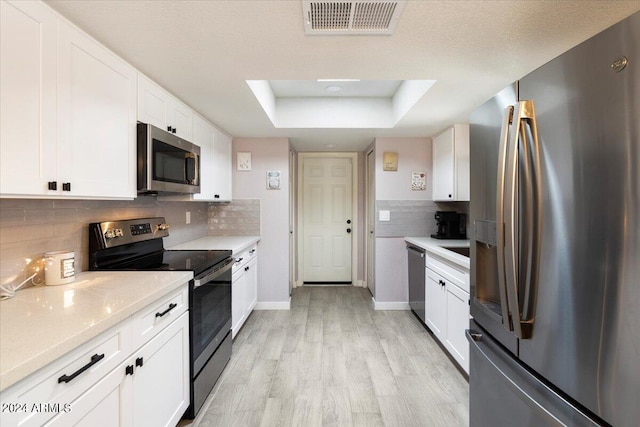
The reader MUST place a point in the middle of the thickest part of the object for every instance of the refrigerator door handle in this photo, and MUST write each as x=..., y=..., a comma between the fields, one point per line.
x=500, y=208
x=516, y=261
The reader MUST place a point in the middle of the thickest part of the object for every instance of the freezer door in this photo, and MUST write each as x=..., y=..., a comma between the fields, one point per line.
x=487, y=130
x=586, y=335
x=503, y=394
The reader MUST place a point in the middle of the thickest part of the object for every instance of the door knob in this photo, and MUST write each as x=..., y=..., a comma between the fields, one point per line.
x=348, y=230
x=348, y=221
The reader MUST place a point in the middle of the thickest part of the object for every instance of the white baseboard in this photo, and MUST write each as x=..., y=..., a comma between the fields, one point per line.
x=275, y=305
x=390, y=305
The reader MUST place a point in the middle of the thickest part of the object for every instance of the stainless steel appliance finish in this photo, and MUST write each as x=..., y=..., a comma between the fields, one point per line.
x=137, y=245
x=555, y=208
x=166, y=164
x=416, y=257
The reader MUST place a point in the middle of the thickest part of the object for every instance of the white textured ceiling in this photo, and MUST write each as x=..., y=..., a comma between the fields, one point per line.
x=204, y=51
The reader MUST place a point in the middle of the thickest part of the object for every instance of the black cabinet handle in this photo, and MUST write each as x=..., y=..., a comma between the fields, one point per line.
x=216, y=196
x=246, y=269
x=129, y=370
x=252, y=251
x=173, y=130
x=449, y=195
x=168, y=128
x=139, y=361
x=171, y=307
x=66, y=186
x=53, y=185
x=239, y=260
x=94, y=359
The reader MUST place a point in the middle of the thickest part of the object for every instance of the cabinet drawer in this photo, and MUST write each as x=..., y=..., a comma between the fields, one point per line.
x=244, y=257
x=153, y=319
x=67, y=378
x=450, y=273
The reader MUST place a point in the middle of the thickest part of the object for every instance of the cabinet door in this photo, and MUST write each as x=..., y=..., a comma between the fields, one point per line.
x=107, y=404
x=223, y=167
x=96, y=118
x=457, y=323
x=161, y=377
x=435, y=304
x=251, y=286
x=182, y=120
x=203, y=137
x=28, y=101
x=237, y=301
x=443, y=166
x=154, y=104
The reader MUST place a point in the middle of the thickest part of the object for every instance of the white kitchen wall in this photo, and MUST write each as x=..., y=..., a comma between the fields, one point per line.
x=414, y=155
x=268, y=154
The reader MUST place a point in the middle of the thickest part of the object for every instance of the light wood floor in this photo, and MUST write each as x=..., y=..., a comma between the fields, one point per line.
x=334, y=361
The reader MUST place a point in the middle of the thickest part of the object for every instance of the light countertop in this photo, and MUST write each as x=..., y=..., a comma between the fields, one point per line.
x=435, y=246
x=42, y=323
x=236, y=244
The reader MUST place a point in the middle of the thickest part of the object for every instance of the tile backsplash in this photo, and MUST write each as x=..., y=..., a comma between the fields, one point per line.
x=238, y=218
x=29, y=227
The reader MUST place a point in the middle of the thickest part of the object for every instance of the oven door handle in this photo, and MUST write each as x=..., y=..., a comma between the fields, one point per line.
x=227, y=264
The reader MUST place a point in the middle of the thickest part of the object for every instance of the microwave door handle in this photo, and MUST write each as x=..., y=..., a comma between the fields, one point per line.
x=189, y=165
x=500, y=207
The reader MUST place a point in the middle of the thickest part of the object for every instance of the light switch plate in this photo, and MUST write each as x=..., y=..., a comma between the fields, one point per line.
x=188, y=218
x=385, y=215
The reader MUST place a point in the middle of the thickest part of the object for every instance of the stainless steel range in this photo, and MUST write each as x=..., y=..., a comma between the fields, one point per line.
x=137, y=245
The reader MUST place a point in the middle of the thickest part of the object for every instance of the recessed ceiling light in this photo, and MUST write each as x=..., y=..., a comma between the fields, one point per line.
x=333, y=89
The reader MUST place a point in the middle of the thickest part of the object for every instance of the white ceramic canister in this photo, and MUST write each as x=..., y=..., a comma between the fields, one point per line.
x=59, y=267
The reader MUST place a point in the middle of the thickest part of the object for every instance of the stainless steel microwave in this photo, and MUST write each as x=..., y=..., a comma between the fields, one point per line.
x=166, y=164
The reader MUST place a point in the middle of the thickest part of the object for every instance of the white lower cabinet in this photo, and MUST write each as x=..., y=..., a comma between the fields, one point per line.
x=244, y=288
x=110, y=381
x=447, y=307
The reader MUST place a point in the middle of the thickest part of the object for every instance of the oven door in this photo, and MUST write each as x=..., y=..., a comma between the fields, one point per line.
x=210, y=317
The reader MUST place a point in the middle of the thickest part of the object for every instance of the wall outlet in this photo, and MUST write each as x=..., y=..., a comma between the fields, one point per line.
x=385, y=215
x=188, y=217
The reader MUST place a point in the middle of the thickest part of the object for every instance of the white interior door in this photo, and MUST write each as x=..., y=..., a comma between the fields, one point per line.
x=371, y=220
x=327, y=223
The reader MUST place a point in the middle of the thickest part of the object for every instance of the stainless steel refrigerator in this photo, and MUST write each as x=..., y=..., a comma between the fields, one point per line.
x=555, y=245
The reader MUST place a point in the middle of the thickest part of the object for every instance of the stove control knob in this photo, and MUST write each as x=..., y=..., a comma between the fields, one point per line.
x=110, y=233
x=163, y=226
x=119, y=232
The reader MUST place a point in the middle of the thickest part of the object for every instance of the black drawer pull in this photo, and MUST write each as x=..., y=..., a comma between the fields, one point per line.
x=66, y=186
x=171, y=307
x=139, y=361
x=252, y=251
x=129, y=370
x=53, y=185
x=239, y=260
x=246, y=269
x=94, y=359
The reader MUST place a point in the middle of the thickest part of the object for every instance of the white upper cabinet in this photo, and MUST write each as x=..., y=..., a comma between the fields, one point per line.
x=451, y=164
x=215, y=161
x=96, y=118
x=222, y=166
x=158, y=107
x=68, y=110
x=28, y=101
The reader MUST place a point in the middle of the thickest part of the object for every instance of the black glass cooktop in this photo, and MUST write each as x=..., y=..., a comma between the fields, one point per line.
x=196, y=261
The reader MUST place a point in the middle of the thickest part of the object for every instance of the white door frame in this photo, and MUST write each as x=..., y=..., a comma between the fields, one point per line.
x=369, y=195
x=354, y=211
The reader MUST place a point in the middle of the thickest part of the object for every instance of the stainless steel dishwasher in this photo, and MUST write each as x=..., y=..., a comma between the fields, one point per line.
x=415, y=255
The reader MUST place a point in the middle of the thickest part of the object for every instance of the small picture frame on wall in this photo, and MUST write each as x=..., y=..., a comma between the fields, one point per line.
x=389, y=161
x=244, y=161
x=273, y=180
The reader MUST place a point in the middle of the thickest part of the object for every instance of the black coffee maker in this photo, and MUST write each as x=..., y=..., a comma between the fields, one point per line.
x=451, y=225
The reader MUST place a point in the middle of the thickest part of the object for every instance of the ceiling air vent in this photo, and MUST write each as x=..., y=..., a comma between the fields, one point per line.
x=351, y=17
